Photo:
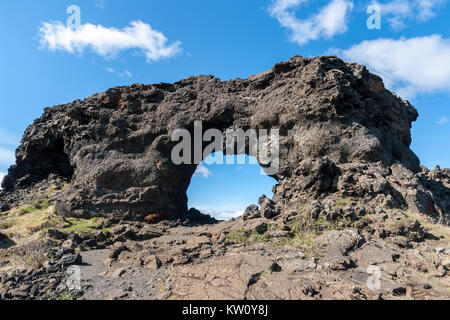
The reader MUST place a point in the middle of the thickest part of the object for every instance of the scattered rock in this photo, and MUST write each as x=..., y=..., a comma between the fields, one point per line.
x=148, y=232
x=55, y=234
x=221, y=239
x=116, y=252
x=69, y=244
x=297, y=265
x=374, y=254
x=151, y=262
x=100, y=236
x=90, y=243
x=268, y=209
x=440, y=250
x=252, y=212
x=119, y=230
x=309, y=291
x=118, y=273
x=70, y=259
x=76, y=238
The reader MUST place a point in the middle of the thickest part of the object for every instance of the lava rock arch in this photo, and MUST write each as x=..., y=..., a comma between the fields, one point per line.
x=341, y=134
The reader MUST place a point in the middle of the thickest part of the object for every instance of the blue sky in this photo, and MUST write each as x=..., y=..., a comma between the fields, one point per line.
x=126, y=42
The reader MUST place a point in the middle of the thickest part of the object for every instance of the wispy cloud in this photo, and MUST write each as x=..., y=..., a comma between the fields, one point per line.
x=7, y=157
x=442, y=120
x=100, y=4
x=220, y=213
x=331, y=20
x=396, y=12
x=408, y=66
x=126, y=73
x=203, y=172
x=107, y=42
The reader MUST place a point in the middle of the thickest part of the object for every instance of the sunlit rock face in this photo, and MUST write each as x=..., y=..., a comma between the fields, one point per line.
x=341, y=134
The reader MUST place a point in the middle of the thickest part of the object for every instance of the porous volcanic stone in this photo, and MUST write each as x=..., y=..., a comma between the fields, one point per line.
x=342, y=134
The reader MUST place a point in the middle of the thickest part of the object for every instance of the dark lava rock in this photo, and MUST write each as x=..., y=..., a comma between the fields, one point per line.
x=90, y=243
x=340, y=132
x=4, y=207
x=100, y=236
x=76, y=238
x=119, y=230
x=56, y=234
x=252, y=212
x=148, y=232
x=196, y=216
x=70, y=259
x=268, y=209
x=116, y=252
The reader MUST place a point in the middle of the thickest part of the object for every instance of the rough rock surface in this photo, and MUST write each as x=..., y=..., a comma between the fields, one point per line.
x=251, y=258
x=354, y=216
x=341, y=135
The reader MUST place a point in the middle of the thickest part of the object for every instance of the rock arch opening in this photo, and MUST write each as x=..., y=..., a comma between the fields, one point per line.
x=225, y=190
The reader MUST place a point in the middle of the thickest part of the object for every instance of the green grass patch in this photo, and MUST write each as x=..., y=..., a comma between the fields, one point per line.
x=304, y=231
x=82, y=226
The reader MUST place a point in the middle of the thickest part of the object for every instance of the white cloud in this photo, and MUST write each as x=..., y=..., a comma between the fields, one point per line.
x=128, y=74
x=7, y=157
x=442, y=120
x=408, y=66
x=203, y=171
x=397, y=11
x=220, y=213
x=331, y=19
x=107, y=42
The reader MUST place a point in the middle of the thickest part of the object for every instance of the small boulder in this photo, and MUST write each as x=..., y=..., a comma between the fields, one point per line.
x=69, y=244
x=252, y=212
x=118, y=273
x=374, y=254
x=116, y=252
x=196, y=216
x=55, y=234
x=119, y=230
x=268, y=209
x=409, y=228
x=90, y=243
x=4, y=207
x=151, y=262
x=100, y=236
x=75, y=238
x=221, y=238
x=148, y=232
x=70, y=259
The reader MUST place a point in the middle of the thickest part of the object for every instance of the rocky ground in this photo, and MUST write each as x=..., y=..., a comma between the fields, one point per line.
x=320, y=252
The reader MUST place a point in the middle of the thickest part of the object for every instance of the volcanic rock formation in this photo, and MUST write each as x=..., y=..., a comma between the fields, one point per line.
x=342, y=134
